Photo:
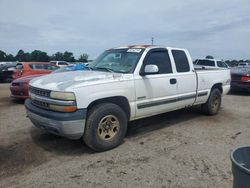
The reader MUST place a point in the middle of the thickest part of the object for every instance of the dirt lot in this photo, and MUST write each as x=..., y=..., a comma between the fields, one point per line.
x=177, y=149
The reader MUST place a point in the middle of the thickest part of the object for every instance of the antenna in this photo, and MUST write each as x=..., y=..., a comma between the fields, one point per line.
x=152, y=41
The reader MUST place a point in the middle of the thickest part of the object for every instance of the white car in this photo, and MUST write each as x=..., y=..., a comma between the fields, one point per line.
x=122, y=85
x=243, y=64
x=60, y=63
x=210, y=63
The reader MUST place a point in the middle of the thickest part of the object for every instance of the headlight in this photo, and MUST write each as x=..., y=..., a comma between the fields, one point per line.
x=62, y=108
x=62, y=95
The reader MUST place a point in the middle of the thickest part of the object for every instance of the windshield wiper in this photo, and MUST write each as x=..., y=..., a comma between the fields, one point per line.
x=90, y=68
x=103, y=68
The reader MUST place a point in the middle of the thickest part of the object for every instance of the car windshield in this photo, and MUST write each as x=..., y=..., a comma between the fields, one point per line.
x=118, y=60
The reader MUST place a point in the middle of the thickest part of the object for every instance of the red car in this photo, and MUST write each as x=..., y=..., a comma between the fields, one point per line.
x=32, y=68
x=19, y=88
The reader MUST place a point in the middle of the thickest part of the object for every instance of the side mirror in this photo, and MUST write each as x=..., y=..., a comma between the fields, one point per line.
x=150, y=69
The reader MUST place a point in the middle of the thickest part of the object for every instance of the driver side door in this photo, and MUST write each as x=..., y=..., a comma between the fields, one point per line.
x=156, y=93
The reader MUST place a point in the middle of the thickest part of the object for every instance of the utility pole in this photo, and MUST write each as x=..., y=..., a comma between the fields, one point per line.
x=152, y=41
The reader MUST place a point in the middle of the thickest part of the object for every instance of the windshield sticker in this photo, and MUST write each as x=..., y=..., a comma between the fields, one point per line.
x=134, y=50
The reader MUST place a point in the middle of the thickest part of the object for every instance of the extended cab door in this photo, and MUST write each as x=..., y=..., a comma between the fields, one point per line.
x=156, y=93
x=185, y=77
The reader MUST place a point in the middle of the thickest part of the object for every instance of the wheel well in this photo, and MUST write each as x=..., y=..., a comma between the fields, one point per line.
x=118, y=100
x=218, y=86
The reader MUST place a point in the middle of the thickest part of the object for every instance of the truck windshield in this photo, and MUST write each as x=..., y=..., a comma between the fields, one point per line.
x=118, y=60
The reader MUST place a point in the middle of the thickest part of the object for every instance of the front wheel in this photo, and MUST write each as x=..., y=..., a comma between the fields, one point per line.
x=106, y=127
x=212, y=106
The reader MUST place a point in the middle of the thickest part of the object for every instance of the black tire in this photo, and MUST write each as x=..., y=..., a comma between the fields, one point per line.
x=95, y=136
x=212, y=106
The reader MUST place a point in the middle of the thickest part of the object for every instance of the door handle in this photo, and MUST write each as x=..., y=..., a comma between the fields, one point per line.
x=173, y=81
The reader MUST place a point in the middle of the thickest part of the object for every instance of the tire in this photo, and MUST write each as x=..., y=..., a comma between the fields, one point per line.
x=212, y=106
x=106, y=127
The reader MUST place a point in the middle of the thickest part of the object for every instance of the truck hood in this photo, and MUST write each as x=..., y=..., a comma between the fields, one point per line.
x=67, y=81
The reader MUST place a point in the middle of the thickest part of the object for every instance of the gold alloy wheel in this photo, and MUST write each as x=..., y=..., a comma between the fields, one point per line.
x=108, y=127
x=215, y=103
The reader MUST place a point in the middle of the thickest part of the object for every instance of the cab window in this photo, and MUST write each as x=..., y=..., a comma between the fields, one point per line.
x=181, y=61
x=161, y=59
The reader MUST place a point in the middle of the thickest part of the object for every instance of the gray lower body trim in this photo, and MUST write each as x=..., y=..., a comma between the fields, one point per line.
x=70, y=129
x=61, y=116
x=167, y=101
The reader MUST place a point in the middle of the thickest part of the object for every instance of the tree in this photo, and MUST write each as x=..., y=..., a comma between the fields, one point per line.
x=38, y=55
x=209, y=57
x=83, y=58
x=22, y=56
x=2, y=56
x=10, y=57
x=58, y=56
x=68, y=56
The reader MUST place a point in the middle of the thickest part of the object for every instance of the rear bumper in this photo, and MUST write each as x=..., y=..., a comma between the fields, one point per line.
x=69, y=125
x=240, y=86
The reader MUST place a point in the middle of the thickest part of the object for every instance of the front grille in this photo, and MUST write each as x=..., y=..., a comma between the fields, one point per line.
x=40, y=92
x=17, y=93
x=40, y=104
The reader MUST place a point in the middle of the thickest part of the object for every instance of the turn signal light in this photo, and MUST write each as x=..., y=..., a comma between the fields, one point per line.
x=62, y=108
x=245, y=78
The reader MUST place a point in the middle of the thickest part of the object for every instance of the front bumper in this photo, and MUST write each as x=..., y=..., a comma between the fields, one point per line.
x=69, y=125
x=19, y=92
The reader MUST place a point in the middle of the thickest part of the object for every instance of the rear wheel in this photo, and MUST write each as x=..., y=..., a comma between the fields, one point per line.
x=106, y=127
x=212, y=106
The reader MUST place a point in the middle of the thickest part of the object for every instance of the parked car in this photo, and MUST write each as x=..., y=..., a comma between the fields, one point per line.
x=19, y=87
x=123, y=84
x=60, y=63
x=243, y=64
x=240, y=78
x=6, y=72
x=71, y=67
x=32, y=68
x=210, y=63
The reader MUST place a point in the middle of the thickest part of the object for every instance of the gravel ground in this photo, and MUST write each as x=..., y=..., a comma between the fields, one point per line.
x=177, y=149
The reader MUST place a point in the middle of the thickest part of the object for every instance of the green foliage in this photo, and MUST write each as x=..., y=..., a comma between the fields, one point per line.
x=58, y=56
x=83, y=58
x=2, y=55
x=10, y=57
x=22, y=56
x=38, y=55
x=209, y=57
x=66, y=56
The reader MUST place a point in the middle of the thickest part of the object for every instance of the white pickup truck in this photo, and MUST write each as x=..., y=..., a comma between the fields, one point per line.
x=123, y=84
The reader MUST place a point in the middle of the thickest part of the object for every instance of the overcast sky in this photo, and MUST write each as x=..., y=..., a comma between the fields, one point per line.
x=216, y=27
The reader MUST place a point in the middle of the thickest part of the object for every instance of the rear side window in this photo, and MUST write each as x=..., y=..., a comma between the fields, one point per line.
x=62, y=63
x=50, y=67
x=221, y=64
x=181, y=61
x=37, y=66
x=161, y=59
x=206, y=63
x=19, y=66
